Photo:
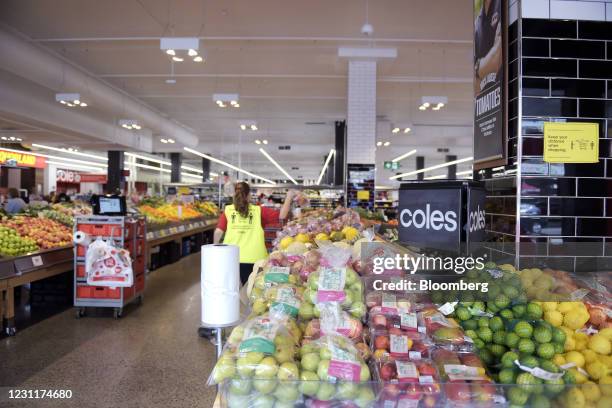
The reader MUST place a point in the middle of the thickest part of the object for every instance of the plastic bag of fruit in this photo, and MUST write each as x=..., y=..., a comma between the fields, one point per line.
x=333, y=372
x=257, y=349
x=466, y=382
x=336, y=285
x=444, y=331
x=278, y=300
x=408, y=383
x=271, y=275
x=395, y=343
x=333, y=320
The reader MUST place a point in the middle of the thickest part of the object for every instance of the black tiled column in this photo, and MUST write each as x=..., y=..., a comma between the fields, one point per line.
x=176, y=161
x=115, y=178
x=206, y=170
x=560, y=71
x=340, y=146
x=420, y=164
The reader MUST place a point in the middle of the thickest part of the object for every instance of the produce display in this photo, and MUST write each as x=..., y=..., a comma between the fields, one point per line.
x=46, y=233
x=159, y=212
x=12, y=244
x=317, y=336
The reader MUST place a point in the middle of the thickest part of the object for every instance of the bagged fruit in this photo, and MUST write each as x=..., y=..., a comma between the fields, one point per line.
x=335, y=282
x=408, y=383
x=334, y=373
x=275, y=335
x=334, y=320
x=396, y=343
x=280, y=299
x=466, y=382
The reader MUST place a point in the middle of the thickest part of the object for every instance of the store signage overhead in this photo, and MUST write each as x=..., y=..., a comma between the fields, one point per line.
x=391, y=165
x=490, y=84
x=67, y=176
x=571, y=142
x=14, y=159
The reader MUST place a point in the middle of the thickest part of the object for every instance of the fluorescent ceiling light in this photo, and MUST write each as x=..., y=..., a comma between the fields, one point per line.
x=146, y=166
x=147, y=158
x=226, y=164
x=192, y=169
x=461, y=173
x=74, y=166
x=191, y=175
x=64, y=150
x=439, y=176
x=437, y=166
x=403, y=156
x=278, y=166
x=329, y=156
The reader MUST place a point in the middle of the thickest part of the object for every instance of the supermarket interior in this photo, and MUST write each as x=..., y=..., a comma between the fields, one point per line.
x=318, y=204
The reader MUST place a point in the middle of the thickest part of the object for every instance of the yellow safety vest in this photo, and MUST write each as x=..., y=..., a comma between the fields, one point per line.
x=246, y=233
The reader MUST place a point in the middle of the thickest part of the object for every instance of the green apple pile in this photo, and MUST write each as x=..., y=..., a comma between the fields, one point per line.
x=11, y=244
x=316, y=381
x=353, y=296
x=506, y=328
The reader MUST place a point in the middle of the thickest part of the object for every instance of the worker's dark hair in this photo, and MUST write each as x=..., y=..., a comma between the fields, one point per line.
x=13, y=193
x=241, y=198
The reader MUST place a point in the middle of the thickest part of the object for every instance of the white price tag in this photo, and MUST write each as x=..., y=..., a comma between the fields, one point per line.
x=406, y=369
x=425, y=379
x=414, y=355
x=37, y=260
x=447, y=308
x=399, y=344
x=408, y=321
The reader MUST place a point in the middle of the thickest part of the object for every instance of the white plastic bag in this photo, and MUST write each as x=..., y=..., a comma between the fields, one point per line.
x=106, y=265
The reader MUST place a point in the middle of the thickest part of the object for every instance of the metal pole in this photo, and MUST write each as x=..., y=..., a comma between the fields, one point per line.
x=219, y=333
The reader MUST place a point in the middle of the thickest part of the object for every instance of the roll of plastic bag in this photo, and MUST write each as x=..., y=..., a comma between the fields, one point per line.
x=220, y=285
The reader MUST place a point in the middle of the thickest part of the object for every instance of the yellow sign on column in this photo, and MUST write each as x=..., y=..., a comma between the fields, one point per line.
x=363, y=195
x=571, y=142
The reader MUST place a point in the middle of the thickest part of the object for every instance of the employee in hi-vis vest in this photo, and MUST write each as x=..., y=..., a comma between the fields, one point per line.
x=243, y=224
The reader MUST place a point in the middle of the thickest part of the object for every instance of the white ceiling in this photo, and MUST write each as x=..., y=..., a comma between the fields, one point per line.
x=280, y=56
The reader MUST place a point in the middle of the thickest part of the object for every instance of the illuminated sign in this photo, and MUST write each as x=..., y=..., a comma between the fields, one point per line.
x=21, y=159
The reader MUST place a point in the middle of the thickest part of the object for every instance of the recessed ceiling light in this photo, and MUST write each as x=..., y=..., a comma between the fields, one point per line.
x=265, y=141
x=386, y=144
x=163, y=140
x=395, y=130
x=257, y=141
x=198, y=59
x=171, y=141
x=406, y=130
x=378, y=143
x=177, y=59
x=243, y=127
x=170, y=52
x=192, y=52
x=422, y=108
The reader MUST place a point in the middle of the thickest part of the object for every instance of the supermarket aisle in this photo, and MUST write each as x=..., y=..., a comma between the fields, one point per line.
x=151, y=357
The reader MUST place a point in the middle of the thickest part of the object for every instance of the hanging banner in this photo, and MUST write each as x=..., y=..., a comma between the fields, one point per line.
x=490, y=89
x=571, y=142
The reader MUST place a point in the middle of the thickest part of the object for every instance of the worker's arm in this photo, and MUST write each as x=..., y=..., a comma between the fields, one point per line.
x=218, y=235
x=284, y=212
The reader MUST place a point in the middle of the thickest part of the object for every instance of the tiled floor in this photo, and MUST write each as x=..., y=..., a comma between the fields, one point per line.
x=151, y=357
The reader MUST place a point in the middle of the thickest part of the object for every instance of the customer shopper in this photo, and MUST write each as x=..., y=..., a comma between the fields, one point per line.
x=14, y=204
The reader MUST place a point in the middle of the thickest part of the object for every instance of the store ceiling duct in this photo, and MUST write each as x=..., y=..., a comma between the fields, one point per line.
x=28, y=60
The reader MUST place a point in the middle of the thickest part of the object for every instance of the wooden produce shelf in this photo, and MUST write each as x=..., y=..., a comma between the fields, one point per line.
x=26, y=269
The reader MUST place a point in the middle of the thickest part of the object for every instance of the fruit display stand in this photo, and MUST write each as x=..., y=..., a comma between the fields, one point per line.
x=26, y=269
x=177, y=231
x=125, y=232
x=502, y=348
